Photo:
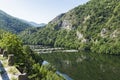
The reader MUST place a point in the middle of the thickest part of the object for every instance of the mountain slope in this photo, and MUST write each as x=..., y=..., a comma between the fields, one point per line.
x=12, y=24
x=93, y=26
x=37, y=25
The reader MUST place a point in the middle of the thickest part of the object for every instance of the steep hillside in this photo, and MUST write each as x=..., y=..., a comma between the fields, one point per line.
x=12, y=24
x=93, y=26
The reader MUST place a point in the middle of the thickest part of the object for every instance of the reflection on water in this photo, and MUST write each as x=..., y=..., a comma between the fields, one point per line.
x=86, y=66
x=59, y=73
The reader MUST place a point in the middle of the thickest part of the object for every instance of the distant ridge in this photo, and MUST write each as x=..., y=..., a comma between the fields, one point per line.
x=15, y=25
x=12, y=24
x=37, y=25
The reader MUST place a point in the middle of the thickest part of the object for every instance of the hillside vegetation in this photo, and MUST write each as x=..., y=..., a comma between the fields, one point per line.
x=12, y=24
x=93, y=26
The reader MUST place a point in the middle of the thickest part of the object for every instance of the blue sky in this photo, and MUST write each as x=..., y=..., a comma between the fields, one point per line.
x=39, y=11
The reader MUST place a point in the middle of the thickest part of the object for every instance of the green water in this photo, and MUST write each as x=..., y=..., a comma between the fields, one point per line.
x=86, y=66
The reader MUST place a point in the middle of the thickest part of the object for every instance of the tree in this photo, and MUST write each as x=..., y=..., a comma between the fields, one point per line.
x=12, y=44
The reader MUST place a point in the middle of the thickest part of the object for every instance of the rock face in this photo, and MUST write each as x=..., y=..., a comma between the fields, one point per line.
x=11, y=60
x=103, y=32
x=62, y=23
x=85, y=40
x=115, y=34
x=86, y=18
x=79, y=35
x=66, y=25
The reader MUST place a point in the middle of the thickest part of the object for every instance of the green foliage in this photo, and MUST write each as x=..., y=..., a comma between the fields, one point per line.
x=107, y=47
x=89, y=19
x=12, y=24
x=12, y=44
x=26, y=60
x=45, y=72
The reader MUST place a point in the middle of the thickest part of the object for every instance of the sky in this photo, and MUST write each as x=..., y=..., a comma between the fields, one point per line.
x=39, y=11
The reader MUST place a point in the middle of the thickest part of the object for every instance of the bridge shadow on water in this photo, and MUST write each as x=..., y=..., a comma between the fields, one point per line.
x=4, y=75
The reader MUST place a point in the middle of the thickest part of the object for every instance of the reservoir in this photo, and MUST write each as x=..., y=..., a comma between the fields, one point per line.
x=86, y=66
x=83, y=65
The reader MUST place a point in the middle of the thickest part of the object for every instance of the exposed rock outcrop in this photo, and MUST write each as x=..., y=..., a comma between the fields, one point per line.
x=66, y=25
x=85, y=40
x=103, y=32
x=79, y=35
x=114, y=34
x=56, y=19
x=86, y=18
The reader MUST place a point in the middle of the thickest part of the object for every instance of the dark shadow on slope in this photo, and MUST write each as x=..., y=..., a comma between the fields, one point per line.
x=3, y=72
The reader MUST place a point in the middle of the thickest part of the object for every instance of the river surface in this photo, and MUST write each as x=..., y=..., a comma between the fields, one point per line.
x=81, y=65
x=86, y=66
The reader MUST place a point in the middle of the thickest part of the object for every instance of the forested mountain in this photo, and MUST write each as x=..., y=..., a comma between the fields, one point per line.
x=37, y=25
x=12, y=24
x=34, y=24
x=93, y=26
